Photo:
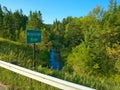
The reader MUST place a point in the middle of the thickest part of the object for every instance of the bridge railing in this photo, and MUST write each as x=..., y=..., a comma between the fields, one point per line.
x=58, y=83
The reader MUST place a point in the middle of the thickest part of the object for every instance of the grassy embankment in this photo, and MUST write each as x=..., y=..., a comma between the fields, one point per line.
x=22, y=54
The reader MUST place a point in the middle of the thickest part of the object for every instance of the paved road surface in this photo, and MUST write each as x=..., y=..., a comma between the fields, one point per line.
x=2, y=88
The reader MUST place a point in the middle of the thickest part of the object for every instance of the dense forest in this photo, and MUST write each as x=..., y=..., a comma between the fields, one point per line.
x=89, y=46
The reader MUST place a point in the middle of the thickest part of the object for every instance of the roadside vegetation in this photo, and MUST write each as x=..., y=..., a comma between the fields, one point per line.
x=89, y=46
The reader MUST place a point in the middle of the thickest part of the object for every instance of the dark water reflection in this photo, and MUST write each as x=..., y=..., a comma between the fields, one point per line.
x=55, y=60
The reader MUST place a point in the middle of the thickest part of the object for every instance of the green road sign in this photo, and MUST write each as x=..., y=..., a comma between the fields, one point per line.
x=33, y=36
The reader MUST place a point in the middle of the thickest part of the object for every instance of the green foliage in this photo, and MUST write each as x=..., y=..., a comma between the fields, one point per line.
x=73, y=33
x=45, y=39
x=97, y=13
x=22, y=38
x=21, y=53
x=92, y=56
x=11, y=23
x=89, y=47
x=34, y=21
x=11, y=51
x=76, y=60
x=17, y=82
x=1, y=20
x=56, y=34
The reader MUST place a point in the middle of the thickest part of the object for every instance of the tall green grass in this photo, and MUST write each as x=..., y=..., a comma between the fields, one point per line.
x=11, y=51
x=17, y=82
x=22, y=53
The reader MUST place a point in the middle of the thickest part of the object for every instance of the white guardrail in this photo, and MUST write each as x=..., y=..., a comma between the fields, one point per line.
x=58, y=83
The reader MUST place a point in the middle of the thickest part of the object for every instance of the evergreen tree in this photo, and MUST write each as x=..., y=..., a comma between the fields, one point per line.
x=111, y=4
x=56, y=34
x=9, y=31
x=34, y=20
x=1, y=21
x=17, y=23
x=97, y=13
x=73, y=33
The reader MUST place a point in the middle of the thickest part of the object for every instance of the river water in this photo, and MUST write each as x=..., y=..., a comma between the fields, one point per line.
x=55, y=62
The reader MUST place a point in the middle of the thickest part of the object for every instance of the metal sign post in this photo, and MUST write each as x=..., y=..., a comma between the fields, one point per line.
x=33, y=36
x=34, y=55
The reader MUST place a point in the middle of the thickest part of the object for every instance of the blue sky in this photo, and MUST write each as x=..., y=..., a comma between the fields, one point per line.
x=55, y=9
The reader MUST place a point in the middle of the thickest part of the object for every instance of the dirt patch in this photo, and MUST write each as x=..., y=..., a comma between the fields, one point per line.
x=3, y=87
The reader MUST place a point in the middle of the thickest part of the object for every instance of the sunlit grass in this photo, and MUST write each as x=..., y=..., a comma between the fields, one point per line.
x=9, y=41
x=22, y=54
